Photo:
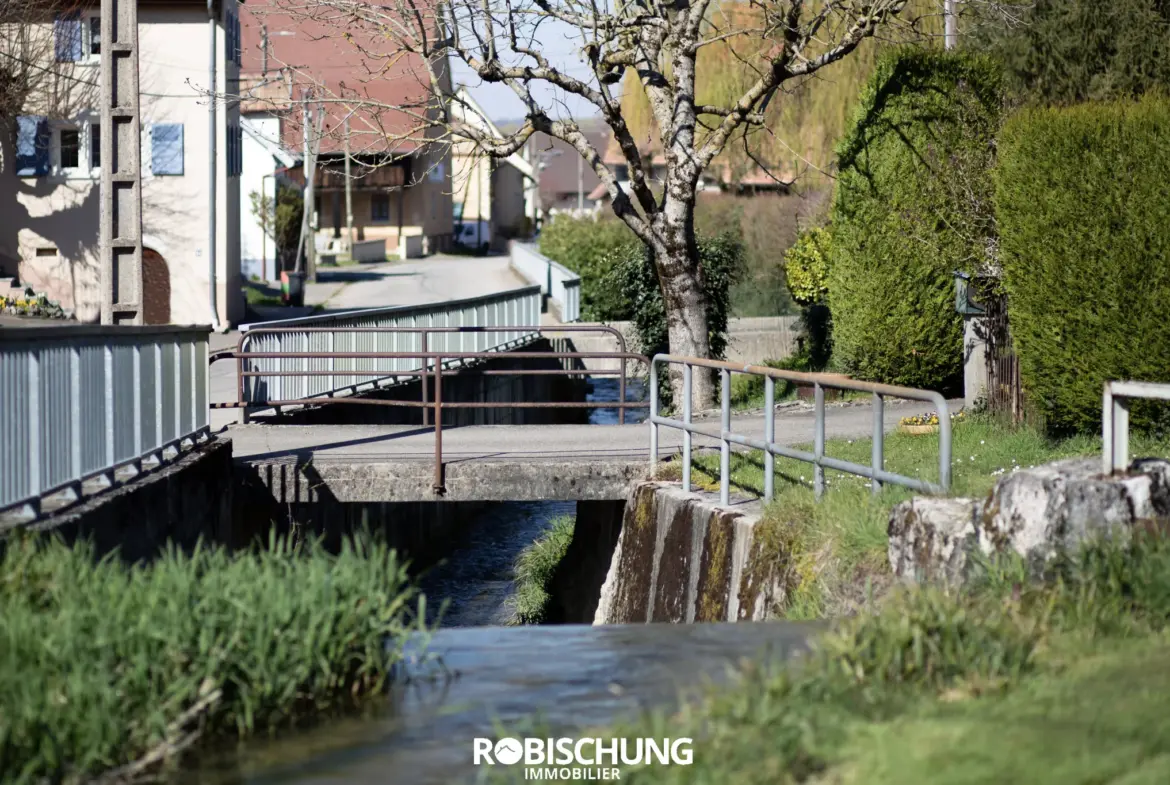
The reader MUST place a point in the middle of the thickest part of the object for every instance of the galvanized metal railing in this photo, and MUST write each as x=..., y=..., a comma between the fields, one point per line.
x=876, y=471
x=85, y=404
x=401, y=330
x=1115, y=419
x=562, y=285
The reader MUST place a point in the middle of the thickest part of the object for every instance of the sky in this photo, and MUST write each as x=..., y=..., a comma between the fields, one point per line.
x=557, y=43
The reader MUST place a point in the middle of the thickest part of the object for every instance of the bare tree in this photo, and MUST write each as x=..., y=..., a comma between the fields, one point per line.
x=776, y=42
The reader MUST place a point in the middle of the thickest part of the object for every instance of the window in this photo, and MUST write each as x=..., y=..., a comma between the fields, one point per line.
x=95, y=145
x=67, y=38
x=95, y=36
x=166, y=148
x=32, y=146
x=70, y=141
x=380, y=207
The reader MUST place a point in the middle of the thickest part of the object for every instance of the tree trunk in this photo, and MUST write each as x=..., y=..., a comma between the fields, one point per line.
x=685, y=303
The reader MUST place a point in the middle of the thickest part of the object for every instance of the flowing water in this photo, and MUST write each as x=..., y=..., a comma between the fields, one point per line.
x=480, y=676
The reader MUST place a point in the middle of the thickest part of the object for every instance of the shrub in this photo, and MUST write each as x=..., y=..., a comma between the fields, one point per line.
x=913, y=204
x=806, y=265
x=1085, y=239
x=534, y=570
x=586, y=247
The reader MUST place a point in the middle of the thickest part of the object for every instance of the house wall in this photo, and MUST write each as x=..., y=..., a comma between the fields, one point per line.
x=56, y=217
x=257, y=249
x=471, y=183
x=508, y=203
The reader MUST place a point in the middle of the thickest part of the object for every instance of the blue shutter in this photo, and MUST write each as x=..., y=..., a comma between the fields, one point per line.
x=67, y=38
x=32, y=146
x=239, y=149
x=239, y=50
x=166, y=148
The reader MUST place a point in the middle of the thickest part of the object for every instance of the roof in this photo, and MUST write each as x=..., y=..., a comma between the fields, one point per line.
x=311, y=54
x=470, y=112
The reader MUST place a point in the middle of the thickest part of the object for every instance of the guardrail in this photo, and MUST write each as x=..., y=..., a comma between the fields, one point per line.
x=432, y=366
x=1115, y=419
x=82, y=404
x=349, y=346
x=875, y=471
x=561, y=284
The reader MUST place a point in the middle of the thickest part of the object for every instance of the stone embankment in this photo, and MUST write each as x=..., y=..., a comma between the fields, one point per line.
x=1035, y=513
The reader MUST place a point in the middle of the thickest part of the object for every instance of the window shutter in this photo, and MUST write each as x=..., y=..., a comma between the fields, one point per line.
x=166, y=148
x=32, y=146
x=239, y=51
x=239, y=149
x=67, y=38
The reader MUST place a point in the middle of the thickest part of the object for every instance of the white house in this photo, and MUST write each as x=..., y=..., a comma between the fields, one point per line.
x=49, y=185
x=264, y=158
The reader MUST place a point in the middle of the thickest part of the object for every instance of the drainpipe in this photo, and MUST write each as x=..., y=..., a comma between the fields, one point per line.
x=212, y=164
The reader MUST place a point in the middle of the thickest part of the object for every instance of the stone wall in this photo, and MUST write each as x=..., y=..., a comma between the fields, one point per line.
x=680, y=557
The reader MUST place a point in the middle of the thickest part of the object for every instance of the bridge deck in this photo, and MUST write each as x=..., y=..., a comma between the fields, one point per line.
x=377, y=463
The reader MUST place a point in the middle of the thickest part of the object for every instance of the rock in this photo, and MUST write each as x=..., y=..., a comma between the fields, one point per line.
x=932, y=539
x=1052, y=509
x=1036, y=513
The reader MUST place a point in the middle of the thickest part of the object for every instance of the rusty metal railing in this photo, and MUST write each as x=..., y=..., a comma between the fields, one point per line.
x=726, y=436
x=430, y=368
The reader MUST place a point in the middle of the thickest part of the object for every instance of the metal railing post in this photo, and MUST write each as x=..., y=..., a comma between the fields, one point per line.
x=769, y=437
x=138, y=399
x=109, y=405
x=686, y=472
x=877, y=455
x=426, y=413
x=34, y=423
x=944, y=445
x=819, y=442
x=724, y=444
x=438, y=486
x=75, y=413
x=654, y=417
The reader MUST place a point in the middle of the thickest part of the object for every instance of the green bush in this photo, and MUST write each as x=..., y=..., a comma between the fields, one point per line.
x=913, y=204
x=806, y=266
x=586, y=247
x=102, y=663
x=1084, y=223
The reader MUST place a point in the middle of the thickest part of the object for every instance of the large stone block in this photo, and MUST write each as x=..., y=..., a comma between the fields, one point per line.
x=933, y=539
x=1036, y=513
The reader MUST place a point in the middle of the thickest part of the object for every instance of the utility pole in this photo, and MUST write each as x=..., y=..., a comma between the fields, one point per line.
x=308, y=224
x=950, y=25
x=120, y=233
x=348, y=194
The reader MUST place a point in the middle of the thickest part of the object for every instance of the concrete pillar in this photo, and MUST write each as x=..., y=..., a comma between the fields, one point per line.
x=975, y=376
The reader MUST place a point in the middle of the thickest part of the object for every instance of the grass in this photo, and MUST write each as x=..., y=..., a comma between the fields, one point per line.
x=1060, y=681
x=105, y=666
x=534, y=571
x=258, y=294
x=838, y=545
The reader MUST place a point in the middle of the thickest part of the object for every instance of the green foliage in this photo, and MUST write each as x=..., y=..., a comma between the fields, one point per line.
x=534, y=571
x=1066, y=51
x=101, y=663
x=1083, y=221
x=586, y=246
x=806, y=265
x=633, y=276
x=913, y=204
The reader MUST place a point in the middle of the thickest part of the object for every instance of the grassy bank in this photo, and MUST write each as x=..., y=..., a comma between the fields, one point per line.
x=108, y=667
x=1059, y=682
x=838, y=545
x=534, y=571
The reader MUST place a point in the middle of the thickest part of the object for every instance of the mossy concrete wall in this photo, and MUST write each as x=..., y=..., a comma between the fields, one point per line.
x=681, y=557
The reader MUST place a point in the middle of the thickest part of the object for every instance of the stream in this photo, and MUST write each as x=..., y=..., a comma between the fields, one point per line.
x=552, y=680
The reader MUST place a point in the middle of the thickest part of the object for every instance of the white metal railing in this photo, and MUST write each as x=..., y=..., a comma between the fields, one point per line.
x=726, y=436
x=338, y=374
x=562, y=285
x=1115, y=419
x=84, y=404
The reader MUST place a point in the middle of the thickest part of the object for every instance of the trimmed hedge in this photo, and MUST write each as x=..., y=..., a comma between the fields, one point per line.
x=1083, y=199
x=913, y=204
x=586, y=246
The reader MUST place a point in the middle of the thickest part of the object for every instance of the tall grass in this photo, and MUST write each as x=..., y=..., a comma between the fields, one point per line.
x=105, y=665
x=534, y=571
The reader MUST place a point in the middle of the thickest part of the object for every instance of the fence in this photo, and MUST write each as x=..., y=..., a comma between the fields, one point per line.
x=401, y=330
x=875, y=471
x=87, y=403
x=1115, y=419
x=562, y=285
